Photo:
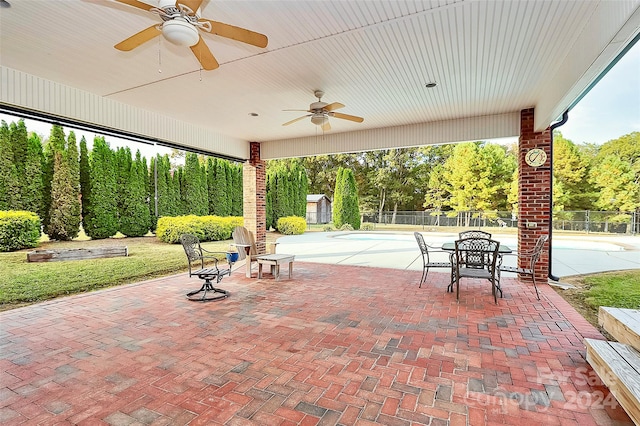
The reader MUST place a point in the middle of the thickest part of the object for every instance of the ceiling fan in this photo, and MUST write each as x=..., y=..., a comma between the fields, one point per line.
x=321, y=111
x=181, y=23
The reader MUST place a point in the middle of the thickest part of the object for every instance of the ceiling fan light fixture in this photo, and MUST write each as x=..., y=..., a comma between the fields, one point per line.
x=180, y=33
x=319, y=119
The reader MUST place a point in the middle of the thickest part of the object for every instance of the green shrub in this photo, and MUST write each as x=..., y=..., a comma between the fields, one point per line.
x=206, y=228
x=346, y=227
x=18, y=230
x=328, y=228
x=292, y=225
x=367, y=227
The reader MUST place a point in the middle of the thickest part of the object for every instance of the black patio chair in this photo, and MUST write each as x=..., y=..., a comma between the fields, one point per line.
x=532, y=257
x=474, y=234
x=426, y=262
x=208, y=268
x=476, y=258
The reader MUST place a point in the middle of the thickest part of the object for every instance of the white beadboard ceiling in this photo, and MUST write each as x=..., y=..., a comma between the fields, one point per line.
x=488, y=58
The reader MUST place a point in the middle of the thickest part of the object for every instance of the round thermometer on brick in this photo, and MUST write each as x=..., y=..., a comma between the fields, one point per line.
x=535, y=157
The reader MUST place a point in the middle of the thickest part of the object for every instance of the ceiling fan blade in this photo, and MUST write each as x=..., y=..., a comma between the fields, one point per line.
x=136, y=3
x=347, y=117
x=204, y=55
x=237, y=33
x=301, y=110
x=194, y=5
x=138, y=39
x=296, y=119
x=333, y=106
x=326, y=126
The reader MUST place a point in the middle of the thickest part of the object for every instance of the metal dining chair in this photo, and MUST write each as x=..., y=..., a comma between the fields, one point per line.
x=532, y=257
x=474, y=233
x=476, y=258
x=426, y=262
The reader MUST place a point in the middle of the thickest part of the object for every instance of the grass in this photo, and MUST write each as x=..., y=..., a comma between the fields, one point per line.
x=23, y=282
x=620, y=289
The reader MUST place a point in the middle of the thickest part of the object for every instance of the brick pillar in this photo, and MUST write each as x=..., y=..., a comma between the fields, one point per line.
x=534, y=185
x=255, y=194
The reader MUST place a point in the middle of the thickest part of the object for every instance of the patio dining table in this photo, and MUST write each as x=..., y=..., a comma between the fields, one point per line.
x=451, y=247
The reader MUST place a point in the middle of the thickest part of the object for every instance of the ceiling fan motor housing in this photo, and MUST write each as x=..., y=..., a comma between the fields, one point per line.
x=317, y=106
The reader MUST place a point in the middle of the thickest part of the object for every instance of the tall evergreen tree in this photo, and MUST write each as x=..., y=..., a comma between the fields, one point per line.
x=123, y=169
x=19, y=143
x=195, y=192
x=9, y=184
x=65, y=209
x=32, y=187
x=238, y=184
x=269, y=184
x=134, y=215
x=220, y=200
x=211, y=181
x=102, y=221
x=178, y=183
x=55, y=143
x=85, y=186
x=345, y=204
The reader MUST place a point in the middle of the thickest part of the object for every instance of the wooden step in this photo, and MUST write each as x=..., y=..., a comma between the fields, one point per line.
x=622, y=324
x=618, y=366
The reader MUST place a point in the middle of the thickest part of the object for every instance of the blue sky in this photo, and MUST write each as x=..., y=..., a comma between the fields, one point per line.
x=610, y=110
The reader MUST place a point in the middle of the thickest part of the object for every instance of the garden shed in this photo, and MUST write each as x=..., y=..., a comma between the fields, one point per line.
x=318, y=208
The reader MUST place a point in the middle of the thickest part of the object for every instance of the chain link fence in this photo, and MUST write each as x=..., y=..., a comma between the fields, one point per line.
x=582, y=221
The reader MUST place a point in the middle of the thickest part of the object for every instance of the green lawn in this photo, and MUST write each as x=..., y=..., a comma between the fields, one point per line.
x=23, y=282
x=620, y=289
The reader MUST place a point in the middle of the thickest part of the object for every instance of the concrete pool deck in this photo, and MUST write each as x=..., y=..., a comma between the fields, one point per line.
x=571, y=255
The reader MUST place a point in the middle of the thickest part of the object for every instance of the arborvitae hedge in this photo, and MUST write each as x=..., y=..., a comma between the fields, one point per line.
x=32, y=196
x=9, y=184
x=134, y=215
x=65, y=209
x=102, y=220
x=195, y=190
x=286, y=192
x=345, y=207
x=85, y=187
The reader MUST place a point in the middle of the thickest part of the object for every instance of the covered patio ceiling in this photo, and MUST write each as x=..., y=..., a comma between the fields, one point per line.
x=489, y=59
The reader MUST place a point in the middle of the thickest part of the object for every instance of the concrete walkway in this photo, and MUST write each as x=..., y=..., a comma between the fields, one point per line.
x=572, y=255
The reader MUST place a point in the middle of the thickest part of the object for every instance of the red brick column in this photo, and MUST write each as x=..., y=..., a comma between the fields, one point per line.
x=534, y=185
x=255, y=193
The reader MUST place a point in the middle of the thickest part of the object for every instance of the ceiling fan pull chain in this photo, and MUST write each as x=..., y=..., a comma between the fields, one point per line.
x=159, y=55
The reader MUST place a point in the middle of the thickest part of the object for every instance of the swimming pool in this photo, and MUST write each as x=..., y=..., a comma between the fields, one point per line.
x=559, y=243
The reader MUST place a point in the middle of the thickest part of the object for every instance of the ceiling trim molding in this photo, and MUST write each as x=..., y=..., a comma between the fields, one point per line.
x=440, y=132
x=24, y=92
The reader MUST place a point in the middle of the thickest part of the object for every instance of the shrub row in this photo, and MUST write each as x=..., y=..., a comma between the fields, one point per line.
x=19, y=230
x=291, y=225
x=206, y=228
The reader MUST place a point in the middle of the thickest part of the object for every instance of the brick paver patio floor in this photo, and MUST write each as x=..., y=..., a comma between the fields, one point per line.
x=335, y=345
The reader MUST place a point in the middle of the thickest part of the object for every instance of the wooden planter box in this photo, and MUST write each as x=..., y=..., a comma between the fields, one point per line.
x=76, y=254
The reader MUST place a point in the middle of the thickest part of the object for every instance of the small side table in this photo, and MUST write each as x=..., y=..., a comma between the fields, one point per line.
x=275, y=260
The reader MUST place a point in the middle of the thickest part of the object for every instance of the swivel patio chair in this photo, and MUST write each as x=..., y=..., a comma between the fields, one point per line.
x=476, y=258
x=205, y=265
x=532, y=256
x=426, y=262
